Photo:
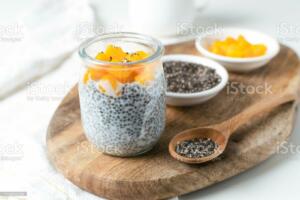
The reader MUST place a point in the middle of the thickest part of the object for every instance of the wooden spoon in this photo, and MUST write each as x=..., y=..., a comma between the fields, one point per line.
x=220, y=133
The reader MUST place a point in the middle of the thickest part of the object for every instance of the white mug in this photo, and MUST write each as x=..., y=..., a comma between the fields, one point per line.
x=160, y=17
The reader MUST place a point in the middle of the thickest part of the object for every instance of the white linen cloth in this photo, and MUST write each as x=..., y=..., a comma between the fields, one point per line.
x=40, y=41
x=24, y=165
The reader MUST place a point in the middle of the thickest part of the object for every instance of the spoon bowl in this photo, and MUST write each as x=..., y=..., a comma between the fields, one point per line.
x=206, y=132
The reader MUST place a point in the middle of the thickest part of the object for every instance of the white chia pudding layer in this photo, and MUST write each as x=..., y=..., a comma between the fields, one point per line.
x=125, y=125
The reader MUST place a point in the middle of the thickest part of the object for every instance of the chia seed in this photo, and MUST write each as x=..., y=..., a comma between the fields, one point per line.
x=125, y=125
x=185, y=77
x=196, y=148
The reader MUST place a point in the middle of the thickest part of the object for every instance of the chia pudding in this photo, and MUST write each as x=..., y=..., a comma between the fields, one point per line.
x=122, y=93
x=125, y=125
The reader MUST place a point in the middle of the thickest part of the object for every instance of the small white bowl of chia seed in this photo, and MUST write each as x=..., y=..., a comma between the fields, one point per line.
x=192, y=79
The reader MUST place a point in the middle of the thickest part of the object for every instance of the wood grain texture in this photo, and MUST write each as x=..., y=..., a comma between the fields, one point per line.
x=156, y=175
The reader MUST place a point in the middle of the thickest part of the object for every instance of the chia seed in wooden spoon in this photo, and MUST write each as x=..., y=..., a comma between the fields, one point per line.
x=186, y=77
x=196, y=148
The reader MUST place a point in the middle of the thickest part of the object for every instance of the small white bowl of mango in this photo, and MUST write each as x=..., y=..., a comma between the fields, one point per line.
x=239, y=50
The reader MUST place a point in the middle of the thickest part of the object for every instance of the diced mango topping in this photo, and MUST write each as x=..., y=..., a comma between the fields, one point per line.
x=146, y=75
x=114, y=74
x=102, y=56
x=94, y=74
x=122, y=74
x=238, y=48
x=116, y=54
x=111, y=79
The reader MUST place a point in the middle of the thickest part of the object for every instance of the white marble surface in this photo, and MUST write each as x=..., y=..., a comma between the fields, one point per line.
x=25, y=115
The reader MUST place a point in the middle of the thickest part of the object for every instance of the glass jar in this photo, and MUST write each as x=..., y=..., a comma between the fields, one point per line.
x=122, y=103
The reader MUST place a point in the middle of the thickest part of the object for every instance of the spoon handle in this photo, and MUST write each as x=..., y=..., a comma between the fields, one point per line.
x=231, y=125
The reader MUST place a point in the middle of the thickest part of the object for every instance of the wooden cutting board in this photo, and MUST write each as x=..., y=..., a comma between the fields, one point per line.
x=156, y=175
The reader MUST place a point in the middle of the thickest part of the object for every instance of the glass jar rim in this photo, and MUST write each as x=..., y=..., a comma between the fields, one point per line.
x=158, y=48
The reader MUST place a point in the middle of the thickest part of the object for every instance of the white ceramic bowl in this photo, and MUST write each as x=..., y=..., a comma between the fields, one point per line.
x=188, y=99
x=238, y=64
